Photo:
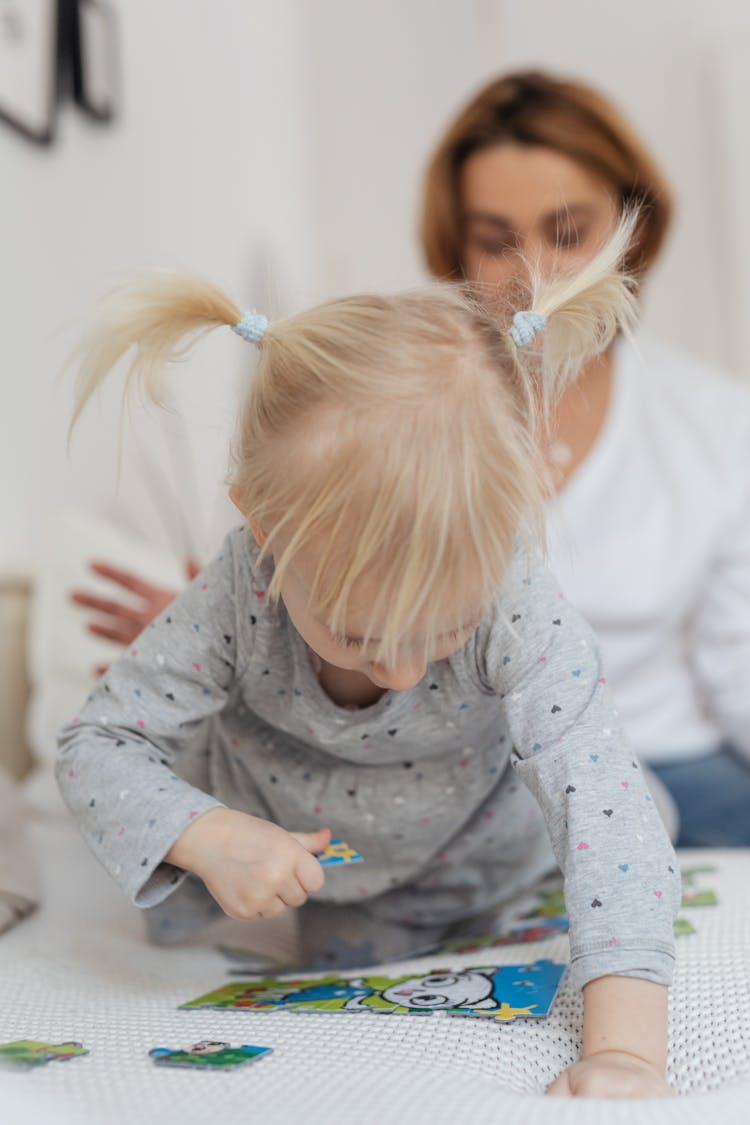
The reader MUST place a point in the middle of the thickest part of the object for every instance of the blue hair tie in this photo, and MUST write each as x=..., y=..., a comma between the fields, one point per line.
x=252, y=327
x=527, y=324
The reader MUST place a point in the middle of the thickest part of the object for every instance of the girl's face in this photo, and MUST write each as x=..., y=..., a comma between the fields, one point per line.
x=349, y=652
x=523, y=202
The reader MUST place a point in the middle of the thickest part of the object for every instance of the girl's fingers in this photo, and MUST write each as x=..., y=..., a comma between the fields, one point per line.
x=313, y=841
x=561, y=1088
x=272, y=909
x=310, y=874
x=308, y=871
x=293, y=894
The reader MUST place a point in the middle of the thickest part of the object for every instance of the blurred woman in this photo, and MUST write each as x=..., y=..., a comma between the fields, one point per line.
x=649, y=530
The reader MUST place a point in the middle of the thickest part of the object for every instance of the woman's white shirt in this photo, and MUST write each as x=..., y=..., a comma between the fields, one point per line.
x=650, y=539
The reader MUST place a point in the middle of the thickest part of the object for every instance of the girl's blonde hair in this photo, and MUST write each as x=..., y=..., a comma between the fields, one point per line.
x=393, y=440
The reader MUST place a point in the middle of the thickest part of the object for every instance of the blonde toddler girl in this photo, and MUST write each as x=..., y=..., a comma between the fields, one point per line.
x=380, y=650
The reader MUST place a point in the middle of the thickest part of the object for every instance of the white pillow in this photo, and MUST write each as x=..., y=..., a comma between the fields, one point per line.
x=62, y=652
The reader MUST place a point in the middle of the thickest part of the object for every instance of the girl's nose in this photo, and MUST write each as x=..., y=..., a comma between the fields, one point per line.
x=401, y=677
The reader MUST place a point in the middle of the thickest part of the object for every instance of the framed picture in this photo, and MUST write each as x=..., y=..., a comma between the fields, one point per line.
x=28, y=65
x=52, y=51
x=94, y=59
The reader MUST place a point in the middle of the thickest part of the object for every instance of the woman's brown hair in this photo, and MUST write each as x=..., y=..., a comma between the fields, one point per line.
x=532, y=108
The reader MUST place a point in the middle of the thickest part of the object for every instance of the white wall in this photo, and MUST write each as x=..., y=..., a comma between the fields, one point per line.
x=386, y=79
x=203, y=170
x=278, y=148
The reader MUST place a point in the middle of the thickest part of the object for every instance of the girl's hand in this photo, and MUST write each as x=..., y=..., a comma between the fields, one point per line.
x=253, y=868
x=611, y=1074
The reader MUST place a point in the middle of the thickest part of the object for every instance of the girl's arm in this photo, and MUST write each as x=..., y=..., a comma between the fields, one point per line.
x=150, y=712
x=133, y=766
x=624, y=1042
x=622, y=881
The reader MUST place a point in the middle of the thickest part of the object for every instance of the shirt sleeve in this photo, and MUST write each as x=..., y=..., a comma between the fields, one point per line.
x=622, y=882
x=132, y=763
x=719, y=636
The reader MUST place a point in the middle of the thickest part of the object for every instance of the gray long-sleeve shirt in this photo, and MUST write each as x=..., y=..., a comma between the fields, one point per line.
x=217, y=703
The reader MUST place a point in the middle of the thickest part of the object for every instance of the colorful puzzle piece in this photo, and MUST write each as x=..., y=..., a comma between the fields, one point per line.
x=338, y=852
x=690, y=874
x=209, y=1054
x=532, y=930
x=700, y=898
x=505, y=992
x=30, y=1052
x=691, y=895
x=550, y=902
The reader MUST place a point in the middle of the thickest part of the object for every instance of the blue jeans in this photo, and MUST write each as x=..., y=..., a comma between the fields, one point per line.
x=712, y=794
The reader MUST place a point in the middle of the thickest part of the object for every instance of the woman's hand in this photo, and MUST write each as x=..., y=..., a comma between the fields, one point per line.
x=124, y=621
x=611, y=1074
x=253, y=868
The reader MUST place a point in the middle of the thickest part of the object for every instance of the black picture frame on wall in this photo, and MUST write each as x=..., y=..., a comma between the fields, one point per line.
x=52, y=52
x=28, y=66
x=94, y=49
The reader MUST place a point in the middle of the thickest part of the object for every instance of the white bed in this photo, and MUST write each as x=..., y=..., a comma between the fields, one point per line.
x=79, y=969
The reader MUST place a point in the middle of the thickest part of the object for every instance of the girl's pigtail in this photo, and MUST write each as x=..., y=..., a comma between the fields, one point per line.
x=160, y=313
x=584, y=312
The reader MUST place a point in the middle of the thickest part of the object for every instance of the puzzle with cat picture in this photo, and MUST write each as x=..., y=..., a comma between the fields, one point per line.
x=500, y=992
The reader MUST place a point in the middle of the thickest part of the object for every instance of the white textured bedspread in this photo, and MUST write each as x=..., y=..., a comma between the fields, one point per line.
x=80, y=970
